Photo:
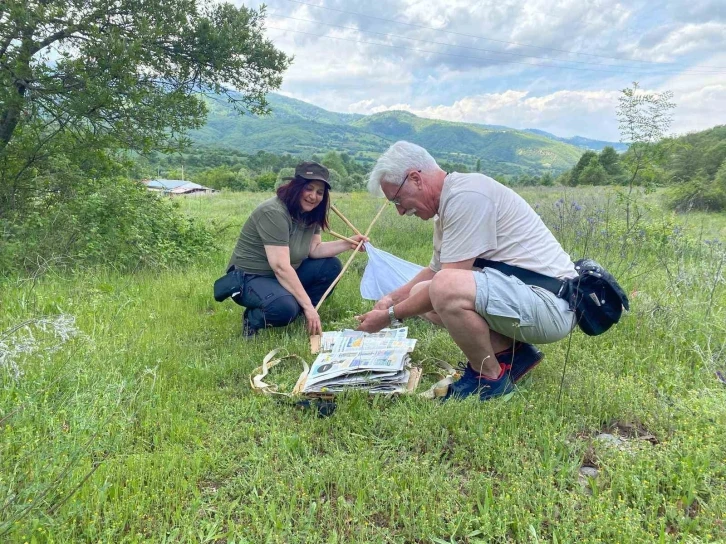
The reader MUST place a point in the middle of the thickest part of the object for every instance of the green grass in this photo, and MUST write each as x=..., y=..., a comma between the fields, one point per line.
x=135, y=421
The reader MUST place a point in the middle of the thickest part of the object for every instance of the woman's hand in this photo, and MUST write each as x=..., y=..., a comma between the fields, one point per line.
x=373, y=321
x=358, y=238
x=313, y=321
x=384, y=303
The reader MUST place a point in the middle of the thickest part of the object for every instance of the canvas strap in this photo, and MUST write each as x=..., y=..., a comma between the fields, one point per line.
x=443, y=369
x=553, y=285
x=271, y=360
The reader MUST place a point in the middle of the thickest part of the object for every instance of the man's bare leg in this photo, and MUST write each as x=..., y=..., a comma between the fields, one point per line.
x=433, y=317
x=453, y=296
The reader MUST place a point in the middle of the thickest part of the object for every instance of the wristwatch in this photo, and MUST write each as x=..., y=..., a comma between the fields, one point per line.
x=395, y=322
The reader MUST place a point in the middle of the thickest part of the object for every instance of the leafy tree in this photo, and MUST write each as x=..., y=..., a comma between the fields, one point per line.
x=121, y=74
x=713, y=158
x=585, y=159
x=610, y=161
x=701, y=193
x=644, y=119
x=547, y=180
x=594, y=173
x=478, y=165
x=333, y=161
x=266, y=181
x=217, y=178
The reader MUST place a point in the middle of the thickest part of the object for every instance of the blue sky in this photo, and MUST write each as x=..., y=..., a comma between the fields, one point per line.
x=555, y=65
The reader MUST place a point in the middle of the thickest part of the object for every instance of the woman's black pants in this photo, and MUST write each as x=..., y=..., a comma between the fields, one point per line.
x=269, y=304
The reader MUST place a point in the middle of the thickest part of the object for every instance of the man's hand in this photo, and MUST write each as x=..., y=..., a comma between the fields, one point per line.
x=373, y=321
x=313, y=321
x=384, y=303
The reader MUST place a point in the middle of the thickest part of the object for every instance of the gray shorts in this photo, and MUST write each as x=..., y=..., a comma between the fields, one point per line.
x=520, y=311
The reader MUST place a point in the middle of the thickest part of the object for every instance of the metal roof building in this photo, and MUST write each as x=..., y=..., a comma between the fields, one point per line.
x=177, y=187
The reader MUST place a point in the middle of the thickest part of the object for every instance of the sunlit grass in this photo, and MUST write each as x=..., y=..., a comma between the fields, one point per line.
x=139, y=425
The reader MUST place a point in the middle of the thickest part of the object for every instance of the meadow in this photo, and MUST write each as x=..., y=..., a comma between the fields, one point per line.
x=126, y=413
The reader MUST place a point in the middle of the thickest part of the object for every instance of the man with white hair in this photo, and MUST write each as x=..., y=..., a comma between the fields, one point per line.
x=479, y=224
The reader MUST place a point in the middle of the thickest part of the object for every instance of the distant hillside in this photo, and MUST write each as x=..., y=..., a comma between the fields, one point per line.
x=582, y=142
x=300, y=128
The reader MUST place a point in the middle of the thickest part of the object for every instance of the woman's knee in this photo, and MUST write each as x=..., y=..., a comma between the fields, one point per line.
x=332, y=268
x=281, y=311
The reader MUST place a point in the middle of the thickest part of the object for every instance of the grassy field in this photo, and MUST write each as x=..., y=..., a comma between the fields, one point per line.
x=126, y=413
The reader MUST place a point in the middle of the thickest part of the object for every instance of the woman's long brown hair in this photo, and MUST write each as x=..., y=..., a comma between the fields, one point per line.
x=290, y=194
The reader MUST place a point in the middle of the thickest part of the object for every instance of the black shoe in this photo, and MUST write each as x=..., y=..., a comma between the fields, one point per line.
x=524, y=358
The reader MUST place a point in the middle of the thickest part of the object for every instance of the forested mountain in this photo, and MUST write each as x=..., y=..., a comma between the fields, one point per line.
x=581, y=141
x=299, y=128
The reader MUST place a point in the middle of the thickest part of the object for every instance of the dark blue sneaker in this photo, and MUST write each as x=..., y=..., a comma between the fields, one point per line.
x=523, y=359
x=473, y=383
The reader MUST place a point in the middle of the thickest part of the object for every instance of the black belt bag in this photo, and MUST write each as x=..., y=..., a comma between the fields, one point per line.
x=230, y=284
x=594, y=295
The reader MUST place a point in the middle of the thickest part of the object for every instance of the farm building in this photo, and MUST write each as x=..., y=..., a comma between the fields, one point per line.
x=177, y=187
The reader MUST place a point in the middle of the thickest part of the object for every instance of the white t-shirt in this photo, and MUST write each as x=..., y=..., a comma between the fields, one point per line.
x=480, y=217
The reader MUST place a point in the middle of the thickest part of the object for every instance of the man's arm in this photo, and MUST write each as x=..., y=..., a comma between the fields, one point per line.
x=420, y=302
x=403, y=292
x=417, y=304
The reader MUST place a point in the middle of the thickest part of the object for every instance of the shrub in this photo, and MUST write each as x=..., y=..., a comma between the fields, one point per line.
x=111, y=222
x=700, y=193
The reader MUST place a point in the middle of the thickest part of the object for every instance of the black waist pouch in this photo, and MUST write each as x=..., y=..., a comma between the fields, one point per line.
x=229, y=285
x=596, y=297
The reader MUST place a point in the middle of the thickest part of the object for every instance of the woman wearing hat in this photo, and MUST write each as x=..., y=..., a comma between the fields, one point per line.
x=286, y=265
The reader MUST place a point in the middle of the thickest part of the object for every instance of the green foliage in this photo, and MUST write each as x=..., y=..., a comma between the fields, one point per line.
x=593, y=173
x=121, y=76
x=333, y=161
x=128, y=417
x=610, y=161
x=585, y=159
x=694, y=164
x=302, y=129
x=265, y=182
x=700, y=193
x=644, y=119
x=221, y=168
x=111, y=222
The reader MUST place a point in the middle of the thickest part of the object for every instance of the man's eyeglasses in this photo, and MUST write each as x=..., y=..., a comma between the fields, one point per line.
x=395, y=200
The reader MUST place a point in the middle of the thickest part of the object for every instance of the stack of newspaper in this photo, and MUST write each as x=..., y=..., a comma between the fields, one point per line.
x=377, y=363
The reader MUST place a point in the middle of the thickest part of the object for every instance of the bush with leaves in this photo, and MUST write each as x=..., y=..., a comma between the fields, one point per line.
x=109, y=222
x=700, y=193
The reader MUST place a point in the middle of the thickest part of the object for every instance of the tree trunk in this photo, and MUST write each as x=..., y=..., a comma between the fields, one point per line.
x=9, y=120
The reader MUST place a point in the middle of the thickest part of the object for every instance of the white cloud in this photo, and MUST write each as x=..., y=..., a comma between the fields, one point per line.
x=565, y=113
x=452, y=83
x=680, y=41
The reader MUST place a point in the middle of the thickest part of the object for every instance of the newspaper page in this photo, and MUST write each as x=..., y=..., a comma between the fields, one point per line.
x=347, y=340
x=352, y=359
